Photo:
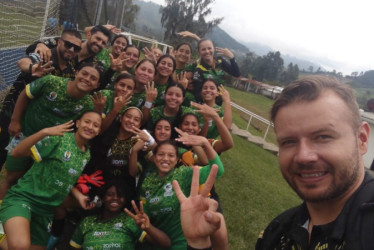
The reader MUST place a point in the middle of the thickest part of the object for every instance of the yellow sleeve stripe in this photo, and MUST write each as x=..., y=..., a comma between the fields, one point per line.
x=28, y=92
x=142, y=236
x=75, y=245
x=35, y=154
x=214, y=142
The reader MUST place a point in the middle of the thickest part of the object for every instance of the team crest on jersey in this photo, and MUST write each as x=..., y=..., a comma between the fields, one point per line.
x=168, y=190
x=100, y=234
x=67, y=155
x=72, y=172
x=78, y=109
x=52, y=96
x=147, y=194
x=118, y=225
x=163, y=96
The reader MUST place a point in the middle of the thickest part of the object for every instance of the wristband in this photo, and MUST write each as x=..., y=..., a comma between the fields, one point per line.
x=148, y=105
x=151, y=140
x=192, y=248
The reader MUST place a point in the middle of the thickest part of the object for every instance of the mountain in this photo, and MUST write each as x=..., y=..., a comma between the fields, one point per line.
x=148, y=24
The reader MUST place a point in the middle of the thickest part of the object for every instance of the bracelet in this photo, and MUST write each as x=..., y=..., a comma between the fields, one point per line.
x=148, y=105
x=192, y=248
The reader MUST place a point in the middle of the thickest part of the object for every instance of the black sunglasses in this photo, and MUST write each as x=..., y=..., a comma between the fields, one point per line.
x=68, y=45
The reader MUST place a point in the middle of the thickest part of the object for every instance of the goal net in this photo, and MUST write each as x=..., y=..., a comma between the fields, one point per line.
x=23, y=22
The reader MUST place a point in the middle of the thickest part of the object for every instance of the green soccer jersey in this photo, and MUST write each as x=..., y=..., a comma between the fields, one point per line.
x=51, y=104
x=109, y=94
x=212, y=130
x=119, y=232
x=161, y=203
x=104, y=58
x=160, y=99
x=58, y=164
x=138, y=99
x=158, y=112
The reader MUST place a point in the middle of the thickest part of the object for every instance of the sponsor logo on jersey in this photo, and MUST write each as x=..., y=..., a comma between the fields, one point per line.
x=58, y=111
x=67, y=156
x=72, y=172
x=168, y=190
x=118, y=225
x=100, y=234
x=59, y=183
x=154, y=200
x=118, y=162
x=147, y=194
x=52, y=96
x=112, y=246
x=78, y=109
x=166, y=210
x=26, y=206
x=84, y=163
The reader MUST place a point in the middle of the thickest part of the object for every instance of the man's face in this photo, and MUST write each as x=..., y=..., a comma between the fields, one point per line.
x=96, y=42
x=68, y=47
x=319, y=151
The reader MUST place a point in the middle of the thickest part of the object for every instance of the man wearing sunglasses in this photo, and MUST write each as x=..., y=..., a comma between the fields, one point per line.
x=32, y=67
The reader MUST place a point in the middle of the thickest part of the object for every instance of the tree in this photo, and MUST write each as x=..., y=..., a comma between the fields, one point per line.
x=247, y=63
x=310, y=68
x=291, y=74
x=180, y=15
x=268, y=67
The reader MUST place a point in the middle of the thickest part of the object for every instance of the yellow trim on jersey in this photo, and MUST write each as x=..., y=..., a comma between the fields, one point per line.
x=73, y=244
x=35, y=154
x=214, y=142
x=142, y=236
x=2, y=237
x=28, y=92
x=200, y=66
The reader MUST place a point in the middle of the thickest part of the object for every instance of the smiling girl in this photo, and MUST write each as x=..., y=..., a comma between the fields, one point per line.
x=60, y=158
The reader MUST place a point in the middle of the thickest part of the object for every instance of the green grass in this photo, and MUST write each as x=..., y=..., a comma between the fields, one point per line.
x=252, y=192
x=257, y=104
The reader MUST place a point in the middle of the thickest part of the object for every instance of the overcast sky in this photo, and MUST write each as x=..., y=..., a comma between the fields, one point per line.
x=328, y=32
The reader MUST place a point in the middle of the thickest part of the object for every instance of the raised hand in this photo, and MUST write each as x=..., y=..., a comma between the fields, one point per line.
x=112, y=28
x=199, y=218
x=44, y=52
x=189, y=34
x=39, y=69
x=181, y=78
x=224, y=93
x=120, y=102
x=141, y=219
x=150, y=92
x=116, y=64
x=99, y=101
x=190, y=140
x=205, y=110
x=59, y=130
x=225, y=52
x=149, y=55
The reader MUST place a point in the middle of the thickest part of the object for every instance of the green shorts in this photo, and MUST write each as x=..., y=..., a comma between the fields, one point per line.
x=18, y=164
x=14, y=205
